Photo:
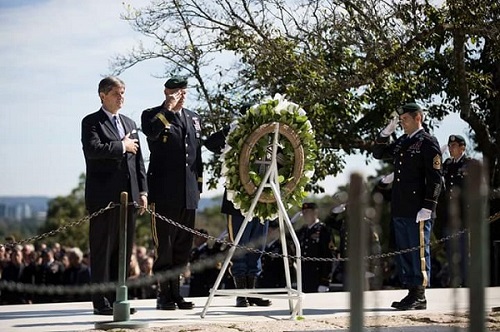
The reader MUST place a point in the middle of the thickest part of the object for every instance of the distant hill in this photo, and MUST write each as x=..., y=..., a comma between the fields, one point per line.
x=41, y=203
x=37, y=203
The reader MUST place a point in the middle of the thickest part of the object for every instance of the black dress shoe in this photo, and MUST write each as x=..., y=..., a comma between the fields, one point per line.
x=165, y=305
x=108, y=311
x=259, y=302
x=183, y=304
x=241, y=302
x=415, y=304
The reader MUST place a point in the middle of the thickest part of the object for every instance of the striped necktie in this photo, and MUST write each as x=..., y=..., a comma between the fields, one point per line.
x=119, y=126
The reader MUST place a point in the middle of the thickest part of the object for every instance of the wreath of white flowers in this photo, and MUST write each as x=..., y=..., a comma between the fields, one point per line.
x=296, y=135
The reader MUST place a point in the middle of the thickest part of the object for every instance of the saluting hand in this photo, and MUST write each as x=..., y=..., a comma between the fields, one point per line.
x=172, y=100
x=131, y=144
x=391, y=127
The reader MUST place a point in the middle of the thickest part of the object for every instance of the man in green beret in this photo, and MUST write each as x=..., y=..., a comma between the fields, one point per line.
x=416, y=157
x=175, y=176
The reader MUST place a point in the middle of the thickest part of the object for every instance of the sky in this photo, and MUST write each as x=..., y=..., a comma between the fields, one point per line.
x=53, y=53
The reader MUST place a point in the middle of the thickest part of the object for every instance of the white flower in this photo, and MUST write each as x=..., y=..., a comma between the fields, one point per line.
x=309, y=174
x=302, y=112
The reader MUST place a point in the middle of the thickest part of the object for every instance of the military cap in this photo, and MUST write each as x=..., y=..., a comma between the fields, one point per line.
x=409, y=107
x=312, y=206
x=176, y=82
x=457, y=138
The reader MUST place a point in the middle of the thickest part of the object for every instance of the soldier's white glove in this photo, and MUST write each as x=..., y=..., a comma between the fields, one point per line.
x=323, y=289
x=388, y=178
x=444, y=148
x=390, y=128
x=423, y=214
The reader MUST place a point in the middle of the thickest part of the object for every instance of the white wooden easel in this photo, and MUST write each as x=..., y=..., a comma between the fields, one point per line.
x=294, y=296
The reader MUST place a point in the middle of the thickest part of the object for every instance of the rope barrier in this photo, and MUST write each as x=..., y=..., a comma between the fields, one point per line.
x=174, y=273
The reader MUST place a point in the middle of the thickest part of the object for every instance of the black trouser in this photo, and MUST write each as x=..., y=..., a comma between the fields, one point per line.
x=173, y=245
x=104, y=250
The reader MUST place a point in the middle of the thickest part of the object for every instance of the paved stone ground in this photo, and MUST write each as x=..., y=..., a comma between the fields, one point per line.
x=447, y=309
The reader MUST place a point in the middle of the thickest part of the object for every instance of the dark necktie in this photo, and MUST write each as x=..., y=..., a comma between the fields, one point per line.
x=180, y=118
x=118, y=126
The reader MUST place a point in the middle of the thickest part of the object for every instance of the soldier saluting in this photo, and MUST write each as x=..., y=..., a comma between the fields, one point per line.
x=175, y=180
x=417, y=182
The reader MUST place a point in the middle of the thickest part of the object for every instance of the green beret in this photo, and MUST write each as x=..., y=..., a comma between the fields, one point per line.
x=456, y=138
x=176, y=82
x=410, y=107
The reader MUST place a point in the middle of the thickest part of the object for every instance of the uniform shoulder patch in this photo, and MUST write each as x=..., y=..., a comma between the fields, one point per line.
x=436, y=162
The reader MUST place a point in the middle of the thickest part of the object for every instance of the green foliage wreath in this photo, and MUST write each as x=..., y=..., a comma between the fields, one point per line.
x=292, y=117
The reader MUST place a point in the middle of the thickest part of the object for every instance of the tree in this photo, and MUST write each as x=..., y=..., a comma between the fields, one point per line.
x=348, y=63
x=63, y=210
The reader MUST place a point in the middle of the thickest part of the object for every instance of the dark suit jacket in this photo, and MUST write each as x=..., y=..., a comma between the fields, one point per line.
x=175, y=172
x=109, y=170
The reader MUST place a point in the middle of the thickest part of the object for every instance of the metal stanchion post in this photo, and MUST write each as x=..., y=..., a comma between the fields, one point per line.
x=121, y=307
x=356, y=250
x=476, y=195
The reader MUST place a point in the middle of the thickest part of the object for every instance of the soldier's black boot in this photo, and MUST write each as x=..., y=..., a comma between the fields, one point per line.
x=251, y=281
x=175, y=289
x=164, y=300
x=415, y=302
x=241, y=283
x=397, y=304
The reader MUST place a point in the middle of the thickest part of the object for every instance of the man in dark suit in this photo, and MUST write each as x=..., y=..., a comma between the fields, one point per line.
x=416, y=156
x=114, y=165
x=175, y=178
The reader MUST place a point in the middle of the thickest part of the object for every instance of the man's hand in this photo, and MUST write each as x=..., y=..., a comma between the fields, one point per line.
x=391, y=127
x=389, y=178
x=143, y=202
x=131, y=145
x=423, y=214
x=173, y=98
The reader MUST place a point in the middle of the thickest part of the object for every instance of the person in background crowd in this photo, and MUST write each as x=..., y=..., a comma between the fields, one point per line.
x=147, y=291
x=315, y=241
x=114, y=164
x=273, y=268
x=76, y=274
x=13, y=272
x=50, y=272
x=202, y=280
x=454, y=173
x=175, y=177
x=416, y=157
x=337, y=220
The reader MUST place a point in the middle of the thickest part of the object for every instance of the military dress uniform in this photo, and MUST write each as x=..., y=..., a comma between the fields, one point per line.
x=175, y=183
x=454, y=173
x=315, y=241
x=417, y=184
